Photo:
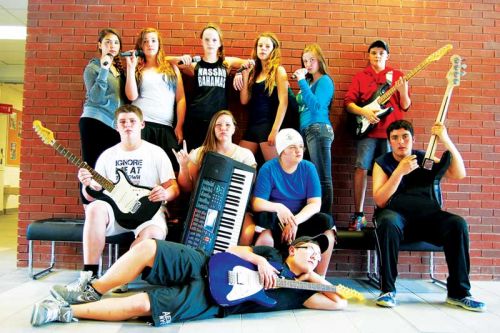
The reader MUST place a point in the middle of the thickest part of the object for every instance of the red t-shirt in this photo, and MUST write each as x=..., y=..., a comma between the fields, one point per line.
x=364, y=84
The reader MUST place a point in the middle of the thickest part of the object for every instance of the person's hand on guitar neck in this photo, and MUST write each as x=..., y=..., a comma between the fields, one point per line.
x=456, y=170
x=401, y=86
x=439, y=130
x=85, y=177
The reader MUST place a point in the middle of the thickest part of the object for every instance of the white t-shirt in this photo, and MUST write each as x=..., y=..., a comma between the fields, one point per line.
x=240, y=154
x=156, y=98
x=148, y=165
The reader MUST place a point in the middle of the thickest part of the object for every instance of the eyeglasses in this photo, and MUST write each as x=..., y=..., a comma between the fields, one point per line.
x=311, y=251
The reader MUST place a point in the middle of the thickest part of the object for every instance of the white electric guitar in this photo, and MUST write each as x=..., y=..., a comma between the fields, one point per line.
x=454, y=75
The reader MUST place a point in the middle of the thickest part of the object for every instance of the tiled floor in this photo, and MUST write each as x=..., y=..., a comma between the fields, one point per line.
x=421, y=307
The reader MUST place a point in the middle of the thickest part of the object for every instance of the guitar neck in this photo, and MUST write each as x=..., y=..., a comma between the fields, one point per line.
x=106, y=184
x=387, y=95
x=293, y=284
x=443, y=110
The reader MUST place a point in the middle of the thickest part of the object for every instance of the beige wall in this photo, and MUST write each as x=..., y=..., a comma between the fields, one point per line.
x=9, y=94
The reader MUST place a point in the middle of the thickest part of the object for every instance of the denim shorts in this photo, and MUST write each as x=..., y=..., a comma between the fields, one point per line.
x=368, y=149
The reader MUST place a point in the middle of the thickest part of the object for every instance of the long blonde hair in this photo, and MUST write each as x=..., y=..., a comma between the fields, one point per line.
x=272, y=64
x=318, y=53
x=210, y=143
x=163, y=65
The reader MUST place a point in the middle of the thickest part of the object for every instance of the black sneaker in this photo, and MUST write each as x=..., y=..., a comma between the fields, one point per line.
x=80, y=291
x=50, y=310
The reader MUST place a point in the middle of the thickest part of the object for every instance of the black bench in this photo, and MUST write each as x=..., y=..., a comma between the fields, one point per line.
x=366, y=240
x=66, y=230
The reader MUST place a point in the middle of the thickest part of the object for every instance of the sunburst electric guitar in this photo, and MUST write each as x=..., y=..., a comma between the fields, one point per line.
x=233, y=280
x=377, y=102
x=130, y=202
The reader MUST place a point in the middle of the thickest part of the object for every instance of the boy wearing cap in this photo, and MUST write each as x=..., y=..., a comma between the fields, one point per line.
x=363, y=87
x=287, y=198
x=178, y=273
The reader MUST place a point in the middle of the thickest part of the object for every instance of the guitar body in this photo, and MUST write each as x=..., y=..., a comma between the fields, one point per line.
x=422, y=193
x=361, y=125
x=227, y=291
x=130, y=202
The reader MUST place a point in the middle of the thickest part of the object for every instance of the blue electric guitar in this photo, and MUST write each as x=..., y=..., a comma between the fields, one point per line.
x=130, y=202
x=233, y=281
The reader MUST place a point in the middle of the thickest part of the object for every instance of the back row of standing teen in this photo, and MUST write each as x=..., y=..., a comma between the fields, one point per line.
x=153, y=82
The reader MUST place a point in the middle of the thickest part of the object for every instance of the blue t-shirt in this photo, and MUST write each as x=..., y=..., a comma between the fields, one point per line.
x=292, y=190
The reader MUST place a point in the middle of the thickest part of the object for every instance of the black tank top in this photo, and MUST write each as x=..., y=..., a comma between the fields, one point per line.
x=262, y=107
x=210, y=94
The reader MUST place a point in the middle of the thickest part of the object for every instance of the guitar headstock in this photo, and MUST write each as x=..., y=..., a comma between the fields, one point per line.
x=46, y=135
x=349, y=293
x=440, y=53
x=456, y=71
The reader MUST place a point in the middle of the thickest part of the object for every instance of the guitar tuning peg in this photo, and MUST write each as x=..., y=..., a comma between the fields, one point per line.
x=463, y=73
x=464, y=66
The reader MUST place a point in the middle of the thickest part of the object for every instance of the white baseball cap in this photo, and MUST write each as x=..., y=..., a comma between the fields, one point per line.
x=287, y=137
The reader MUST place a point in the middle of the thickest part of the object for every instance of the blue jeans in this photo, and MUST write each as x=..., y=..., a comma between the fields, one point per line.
x=319, y=138
x=368, y=149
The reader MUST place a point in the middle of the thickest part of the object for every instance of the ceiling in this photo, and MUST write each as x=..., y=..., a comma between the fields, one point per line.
x=12, y=12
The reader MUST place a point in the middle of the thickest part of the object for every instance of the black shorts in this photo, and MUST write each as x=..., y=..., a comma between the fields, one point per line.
x=315, y=225
x=258, y=133
x=182, y=294
x=163, y=136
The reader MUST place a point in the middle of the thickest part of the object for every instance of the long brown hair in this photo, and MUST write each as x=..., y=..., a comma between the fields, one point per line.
x=163, y=65
x=210, y=143
x=116, y=60
x=272, y=64
x=318, y=53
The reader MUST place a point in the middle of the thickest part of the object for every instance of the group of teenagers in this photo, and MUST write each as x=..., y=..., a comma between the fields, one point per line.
x=129, y=122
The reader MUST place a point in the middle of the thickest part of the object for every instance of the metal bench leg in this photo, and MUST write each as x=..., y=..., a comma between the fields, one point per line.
x=36, y=276
x=373, y=273
x=431, y=272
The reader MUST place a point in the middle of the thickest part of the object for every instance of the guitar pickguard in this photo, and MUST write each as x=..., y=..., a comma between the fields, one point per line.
x=245, y=283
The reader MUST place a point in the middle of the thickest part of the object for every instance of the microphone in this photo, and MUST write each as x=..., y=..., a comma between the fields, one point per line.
x=138, y=53
x=295, y=76
x=105, y=63
x=196, y=58
x=251, y=63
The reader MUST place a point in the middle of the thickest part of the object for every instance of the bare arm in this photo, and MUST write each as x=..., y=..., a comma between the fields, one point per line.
x=131, y=89
x=456, y=170
x=180, y=99
x=282, y=86
x=167, y=191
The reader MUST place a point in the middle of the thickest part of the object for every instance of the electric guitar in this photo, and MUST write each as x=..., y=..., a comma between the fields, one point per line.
x=130, y=202
x=454, y=74
x=378, y=100
x=233, y=280
x=421, y=194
